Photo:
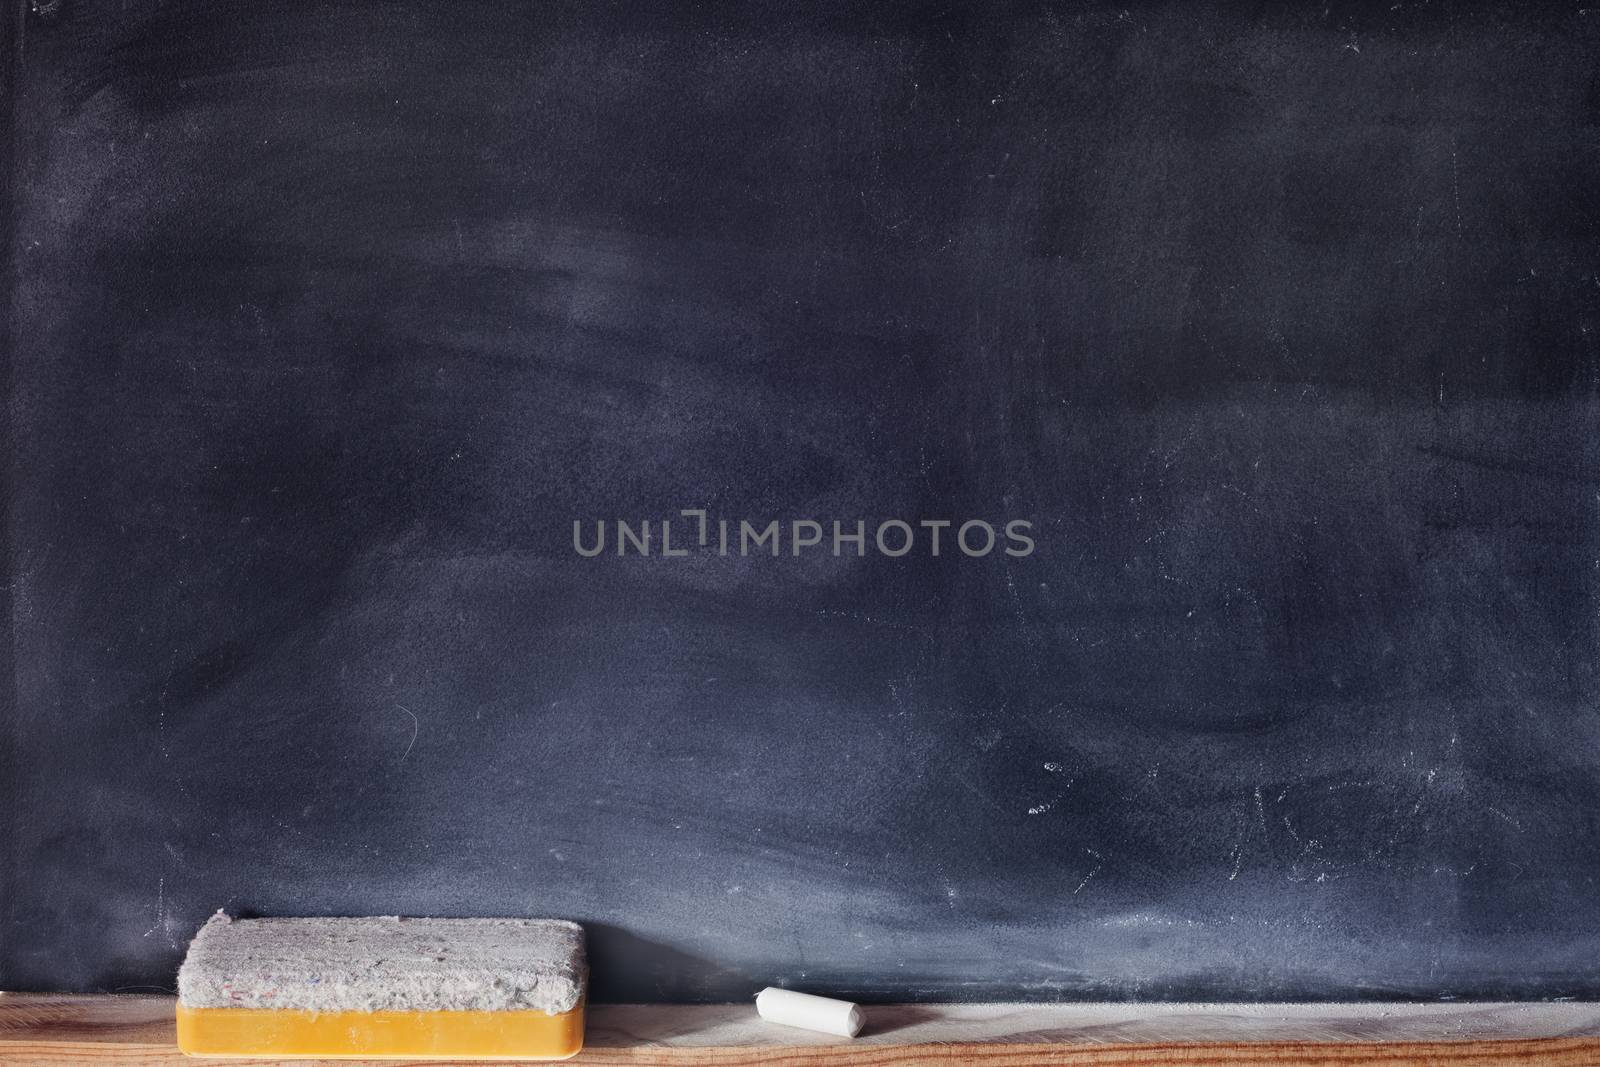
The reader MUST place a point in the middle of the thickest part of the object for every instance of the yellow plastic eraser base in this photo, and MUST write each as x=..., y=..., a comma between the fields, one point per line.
x=348, y=1035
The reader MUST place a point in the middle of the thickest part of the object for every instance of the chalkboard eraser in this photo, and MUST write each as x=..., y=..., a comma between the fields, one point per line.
x=383, y=988
x=809, y=1012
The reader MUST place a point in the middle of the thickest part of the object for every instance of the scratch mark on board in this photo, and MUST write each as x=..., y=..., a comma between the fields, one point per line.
x=416, y=727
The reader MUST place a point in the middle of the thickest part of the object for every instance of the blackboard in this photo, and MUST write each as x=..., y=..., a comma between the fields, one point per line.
x=1275, y=324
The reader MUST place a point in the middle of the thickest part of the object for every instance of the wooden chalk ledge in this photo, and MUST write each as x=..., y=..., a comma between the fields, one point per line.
x=45, y=1030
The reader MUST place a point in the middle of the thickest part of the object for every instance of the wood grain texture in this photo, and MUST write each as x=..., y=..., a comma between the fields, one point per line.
x=44, y=1030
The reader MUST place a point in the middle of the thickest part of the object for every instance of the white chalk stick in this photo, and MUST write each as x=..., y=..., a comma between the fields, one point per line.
x=809, y=1012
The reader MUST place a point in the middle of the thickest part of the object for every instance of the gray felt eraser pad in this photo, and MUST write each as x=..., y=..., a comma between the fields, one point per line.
x=385, y=964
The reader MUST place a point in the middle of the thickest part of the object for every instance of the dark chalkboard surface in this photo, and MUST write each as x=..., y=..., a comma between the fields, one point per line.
x=1278, y=323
